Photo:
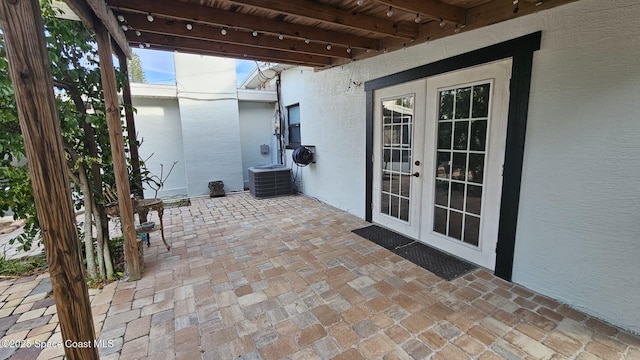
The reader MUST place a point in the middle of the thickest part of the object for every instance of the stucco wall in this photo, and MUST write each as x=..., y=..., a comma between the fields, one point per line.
x=210, y=124
x=158, y=125
x=578, y=226
x=577, y=238
x=256, y=128
x=335, y=125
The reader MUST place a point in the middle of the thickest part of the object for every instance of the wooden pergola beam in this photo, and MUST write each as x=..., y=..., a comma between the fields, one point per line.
x=30, y=71
x=88, y=9
x=229, y=50
x=203, y=32
x=430, y=8
x=247, y=57
x=328, y=15
x=131, y=126
x=212, y=16
x=494, y=12
x=112, y=109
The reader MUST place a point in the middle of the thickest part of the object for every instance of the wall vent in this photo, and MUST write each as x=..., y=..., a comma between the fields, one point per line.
x=269, y=180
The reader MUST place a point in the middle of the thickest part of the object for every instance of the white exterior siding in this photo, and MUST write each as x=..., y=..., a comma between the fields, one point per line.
x=335, y=125
x=578, y=225
x=158, y=126
x=256, y=128
x=210, y=123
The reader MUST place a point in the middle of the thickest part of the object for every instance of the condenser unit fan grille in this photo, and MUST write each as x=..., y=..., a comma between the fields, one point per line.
x=269, y=180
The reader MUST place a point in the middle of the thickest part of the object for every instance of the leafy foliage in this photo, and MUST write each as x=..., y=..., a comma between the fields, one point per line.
x=76, y=76
x=19, y=267
x=136, y=73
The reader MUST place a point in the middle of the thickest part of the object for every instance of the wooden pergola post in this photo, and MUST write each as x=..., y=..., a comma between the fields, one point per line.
x=116, y=139
x=30, y=72
x=131, y=125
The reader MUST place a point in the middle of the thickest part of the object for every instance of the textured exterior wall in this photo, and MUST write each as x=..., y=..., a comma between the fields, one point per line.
x=159, y=130
x=256, y=128
x=210, y=122
x=578, y=226
x=335, y=125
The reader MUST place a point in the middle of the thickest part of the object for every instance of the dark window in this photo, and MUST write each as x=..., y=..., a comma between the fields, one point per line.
x=293, y=126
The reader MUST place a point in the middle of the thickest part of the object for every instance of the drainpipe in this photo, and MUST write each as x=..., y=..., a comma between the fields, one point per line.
x=279, y=137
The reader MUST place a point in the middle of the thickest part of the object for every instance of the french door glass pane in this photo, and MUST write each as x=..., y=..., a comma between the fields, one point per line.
x=440, y=220
x=446, y=104
x=459, y=166
x=474, y=199
x=461, y=135
x=397, y=139
x=462, y=141
x=471, y=229
x=457, y=196
x=404, y=209
x=476, y=168
x=478, y=140
x=455, y=225
x=444, y=135
x=442, y=193
x=444, y=165
x=481, y=101
x=462, y=104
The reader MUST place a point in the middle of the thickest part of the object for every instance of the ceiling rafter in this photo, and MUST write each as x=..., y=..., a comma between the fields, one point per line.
x=494, y=12
x=220, y=54
x=172, y=28
x=430, y=8
x=318, y=33
x=329, y=15
x=217, y=17
x=228, y=50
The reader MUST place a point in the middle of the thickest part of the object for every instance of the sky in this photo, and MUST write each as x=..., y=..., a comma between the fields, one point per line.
x=158, y=66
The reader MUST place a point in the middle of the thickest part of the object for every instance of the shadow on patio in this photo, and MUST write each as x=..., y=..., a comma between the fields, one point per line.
x=285, y=278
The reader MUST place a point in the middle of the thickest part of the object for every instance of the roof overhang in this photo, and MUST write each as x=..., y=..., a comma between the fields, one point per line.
x=316, y=33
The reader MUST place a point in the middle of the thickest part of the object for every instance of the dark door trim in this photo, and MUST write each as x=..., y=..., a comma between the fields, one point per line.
x=521, y=51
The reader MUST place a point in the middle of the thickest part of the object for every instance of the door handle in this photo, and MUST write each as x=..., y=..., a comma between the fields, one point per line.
x=416, y=174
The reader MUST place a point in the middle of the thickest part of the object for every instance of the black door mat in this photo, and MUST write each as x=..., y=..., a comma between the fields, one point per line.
x=441, y=264
x=383, y=237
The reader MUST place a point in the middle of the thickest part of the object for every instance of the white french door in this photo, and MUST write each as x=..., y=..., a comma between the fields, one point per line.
x=456, y=152
x=399, y=114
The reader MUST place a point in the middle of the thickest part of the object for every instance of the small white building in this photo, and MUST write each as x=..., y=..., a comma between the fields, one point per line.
x=205, y=125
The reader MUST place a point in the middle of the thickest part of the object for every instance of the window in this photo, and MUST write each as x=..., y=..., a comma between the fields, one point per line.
x=293, y=126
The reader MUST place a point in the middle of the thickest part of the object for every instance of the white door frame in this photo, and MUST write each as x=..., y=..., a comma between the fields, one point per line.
x=498, y=74
x=417, y=89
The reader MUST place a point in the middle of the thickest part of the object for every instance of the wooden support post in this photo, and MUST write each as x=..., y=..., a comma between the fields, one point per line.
x=116, y=139
x=30, y=71
x=131, y=126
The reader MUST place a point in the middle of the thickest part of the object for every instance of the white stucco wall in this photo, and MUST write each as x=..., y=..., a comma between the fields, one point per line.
x=256, y=128
x=159, y=130
x=210, y=122
x=578, y=225
x=335, y=125
x=577, y=238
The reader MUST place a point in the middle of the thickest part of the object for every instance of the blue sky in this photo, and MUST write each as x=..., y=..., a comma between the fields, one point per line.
x=158, y=66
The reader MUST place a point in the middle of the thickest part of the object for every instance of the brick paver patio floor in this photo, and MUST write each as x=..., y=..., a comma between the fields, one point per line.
x=284, y=278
